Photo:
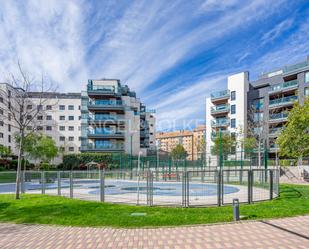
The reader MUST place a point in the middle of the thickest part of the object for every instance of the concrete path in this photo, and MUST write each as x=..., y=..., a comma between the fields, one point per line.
x=279, y=233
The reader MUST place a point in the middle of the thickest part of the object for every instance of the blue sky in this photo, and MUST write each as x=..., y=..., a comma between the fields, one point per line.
x=172, y=53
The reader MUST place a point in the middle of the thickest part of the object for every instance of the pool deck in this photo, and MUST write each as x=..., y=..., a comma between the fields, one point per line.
x=278, y=233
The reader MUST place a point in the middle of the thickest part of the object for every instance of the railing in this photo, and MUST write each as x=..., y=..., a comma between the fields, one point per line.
x=98, y=88
x=105, y=117
x=275, y=131
x=219, y=109
x=295, y=67
x=107, y=146
x=283, y=86
x=282, y=101
x=220, y=122
x=105, y=103
x=215, y=134
x=151, y=187
x=281, y=115
x=105, y=132
x=220, y=94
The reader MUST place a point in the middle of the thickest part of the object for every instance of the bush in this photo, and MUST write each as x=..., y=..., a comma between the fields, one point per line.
x=79, y=161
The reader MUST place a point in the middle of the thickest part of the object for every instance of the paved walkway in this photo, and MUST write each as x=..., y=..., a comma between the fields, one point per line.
x=280, y=233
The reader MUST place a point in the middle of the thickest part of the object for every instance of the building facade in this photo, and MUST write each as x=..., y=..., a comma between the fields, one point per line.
x=100, y=121
x=192, y=141
x=258, y=108
x=115, y=120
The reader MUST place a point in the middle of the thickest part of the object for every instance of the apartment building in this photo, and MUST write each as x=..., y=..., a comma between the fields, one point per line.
x=115, y=120
x=192, y=141
x=95, y=120
x=258, y=107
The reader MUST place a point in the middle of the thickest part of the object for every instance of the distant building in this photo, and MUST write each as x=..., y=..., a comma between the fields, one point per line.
x=190, y=140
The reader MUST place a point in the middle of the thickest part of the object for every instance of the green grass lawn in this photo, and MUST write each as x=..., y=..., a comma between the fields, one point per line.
x=44, y=209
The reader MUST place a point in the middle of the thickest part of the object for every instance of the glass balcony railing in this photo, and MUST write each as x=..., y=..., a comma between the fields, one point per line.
x=105, y=117
x=219, y=95
x=105, y=132
x=283, y=86
x=282, y=101
x=220, y=122
x=216, y=134
x=104, y=146
x=98, y=88
x=220, y=109
x=105, y=103
x=282, y=115
x=295, y=67
x=275, y=131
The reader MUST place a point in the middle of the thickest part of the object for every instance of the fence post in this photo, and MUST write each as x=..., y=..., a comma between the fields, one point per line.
x=43, y=181
x=185, y=191
x=59, y=182
x=102, y=185
x=71, y=184
x=249, y=184
x=219, y=188
x=271, y=184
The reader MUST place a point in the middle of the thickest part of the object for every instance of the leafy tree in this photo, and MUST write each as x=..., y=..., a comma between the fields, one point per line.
x=227, y=145
x=249, y=143
x=294, y=139
x=39, y=147
x=201, y=148
x=4, y=151
x=179, y=152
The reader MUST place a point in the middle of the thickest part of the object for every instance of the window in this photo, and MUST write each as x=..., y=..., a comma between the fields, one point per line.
x=9, y=94
x=233, y=109
x=48, y=128
x=61, y=107
x=29, y=117
x=1, y=123
x=79, y=117
x=71, y=107
x=39, y=107
x=40, y=117
x=40, y=128
x=306, y=91
x=233, y=95
x=258, y=104
x=29, y=128
x=1, y=111
x=307, y=77
x=62, y=117
x=9, y=127
x=29, y=107
x=71, y=128
x=233, y=123
x=9, y=117
x=48, y=117
x=79, y=138
x=48, y=107
x=1, y=135
x=71, y=139
x=9, y=138
x=62, y=138
x=61, y=128
x=1, y=100
x=62, y=149
x=233, y=135
x=71, y=118
x=79, y=107
x=71, y=148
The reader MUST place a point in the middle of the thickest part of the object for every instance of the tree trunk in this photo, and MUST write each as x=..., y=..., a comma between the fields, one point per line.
x=18, y=173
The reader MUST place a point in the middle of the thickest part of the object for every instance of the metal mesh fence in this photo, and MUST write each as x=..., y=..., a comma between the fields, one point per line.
x=172, y=185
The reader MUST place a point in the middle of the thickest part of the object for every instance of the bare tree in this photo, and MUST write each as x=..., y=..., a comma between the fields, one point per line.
x=18, y=101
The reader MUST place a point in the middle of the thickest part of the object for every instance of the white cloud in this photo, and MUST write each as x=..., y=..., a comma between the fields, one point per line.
x=275, y=32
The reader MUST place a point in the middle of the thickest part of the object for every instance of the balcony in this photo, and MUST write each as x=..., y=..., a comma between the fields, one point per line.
x=97, y=90
x=219, y=96
x=106, y=105
x=278, y=117
x=103, y=147
x=275, y=103
x=106, y=118
x=283, y=87
x=105, y=133
x=223, y=122
x=214, y=134
x=220, y=109
x=275, y=132
x=273, y=148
